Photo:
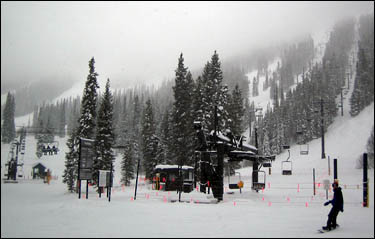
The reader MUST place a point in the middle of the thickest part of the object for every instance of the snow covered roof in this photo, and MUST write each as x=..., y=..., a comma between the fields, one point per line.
x=226, y=139
x=35, y=164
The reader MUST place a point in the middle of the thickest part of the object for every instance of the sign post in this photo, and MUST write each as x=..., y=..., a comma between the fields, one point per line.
x=86, y=158
x=105, y=180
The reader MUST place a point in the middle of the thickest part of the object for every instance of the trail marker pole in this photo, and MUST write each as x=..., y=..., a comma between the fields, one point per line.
x=314, y=181
x=136, y=181
x=334, y=169
x=365, y=182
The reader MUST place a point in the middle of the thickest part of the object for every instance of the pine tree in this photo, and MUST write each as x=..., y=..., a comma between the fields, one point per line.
x=167, y=140
x=104, y=140
x=127, y=164
x=148, y=139
x=86, y=123
x=370, y=148
x=202, y=98
x=363, y=92
x=212, y=93
x=73, y=117
x=87, y=120
x=236, y=112
x=71, y=162
x=219, y=92
x=8, y=129
x=135, y=134
x=62, y=120
x=183, y=128
x=123, y=124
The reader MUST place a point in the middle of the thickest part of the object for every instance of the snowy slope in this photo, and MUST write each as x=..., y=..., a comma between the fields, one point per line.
x=33, y=209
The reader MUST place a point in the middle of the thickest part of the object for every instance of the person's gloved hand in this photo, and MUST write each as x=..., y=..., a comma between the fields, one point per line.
x=326, y=203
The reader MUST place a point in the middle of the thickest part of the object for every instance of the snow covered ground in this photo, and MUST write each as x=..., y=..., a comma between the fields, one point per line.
x=286, y=208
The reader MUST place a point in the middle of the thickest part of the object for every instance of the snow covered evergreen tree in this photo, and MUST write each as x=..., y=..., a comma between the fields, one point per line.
x=71, y=162
x=363, y=92
x=183, y=128
x=8, y=129
x=149, y=141
x=135, y=135
x=210, y=92
x=236, y=112
x=370, y=149
x=127, y=164
x=62, y=118
x=104, y=140
x=86, y=122
x=167, y=140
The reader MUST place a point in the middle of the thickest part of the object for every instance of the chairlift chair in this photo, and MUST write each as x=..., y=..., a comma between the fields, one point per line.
x=299, y=132
x=237, y=185
x=286, y=166
x=55, y=146
x=20, y=172
x=259, y=185
x=304, y=149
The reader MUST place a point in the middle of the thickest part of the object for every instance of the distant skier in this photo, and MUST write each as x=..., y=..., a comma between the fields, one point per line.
x=337, y=206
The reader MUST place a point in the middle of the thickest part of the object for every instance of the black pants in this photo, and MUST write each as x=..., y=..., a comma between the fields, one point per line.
x=331, y=223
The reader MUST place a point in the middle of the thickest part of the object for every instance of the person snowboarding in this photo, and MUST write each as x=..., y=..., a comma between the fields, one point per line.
x=337, y=206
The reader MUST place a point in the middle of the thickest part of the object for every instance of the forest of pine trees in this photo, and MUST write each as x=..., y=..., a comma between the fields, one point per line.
x=8, y=128
x=363, y=92
x=299, y=110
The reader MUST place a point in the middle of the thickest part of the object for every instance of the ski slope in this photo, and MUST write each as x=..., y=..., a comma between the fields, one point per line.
x=286, y=207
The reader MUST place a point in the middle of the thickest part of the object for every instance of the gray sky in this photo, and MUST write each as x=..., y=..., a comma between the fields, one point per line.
x=141, y=41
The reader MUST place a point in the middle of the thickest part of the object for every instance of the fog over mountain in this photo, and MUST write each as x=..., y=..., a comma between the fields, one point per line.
x=139, y=42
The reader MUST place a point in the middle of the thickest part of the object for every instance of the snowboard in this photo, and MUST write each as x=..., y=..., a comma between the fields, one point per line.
x=324, y=231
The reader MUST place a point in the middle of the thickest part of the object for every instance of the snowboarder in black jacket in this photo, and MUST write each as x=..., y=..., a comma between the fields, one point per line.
x=337, y=206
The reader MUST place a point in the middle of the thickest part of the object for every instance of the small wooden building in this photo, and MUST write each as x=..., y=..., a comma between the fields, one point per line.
x=166, y=177
x=39, y=171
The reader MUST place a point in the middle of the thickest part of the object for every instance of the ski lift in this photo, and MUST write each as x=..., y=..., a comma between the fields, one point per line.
x=237, y=185
x=286, y=166
x=50, y=148
x=260, y=184
x=304, y=149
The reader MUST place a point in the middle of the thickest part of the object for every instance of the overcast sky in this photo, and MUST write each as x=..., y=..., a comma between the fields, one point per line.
x=141, y=41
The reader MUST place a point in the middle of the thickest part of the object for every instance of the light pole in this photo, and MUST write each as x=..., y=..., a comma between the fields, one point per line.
x=322, y=127
x=255, y=163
